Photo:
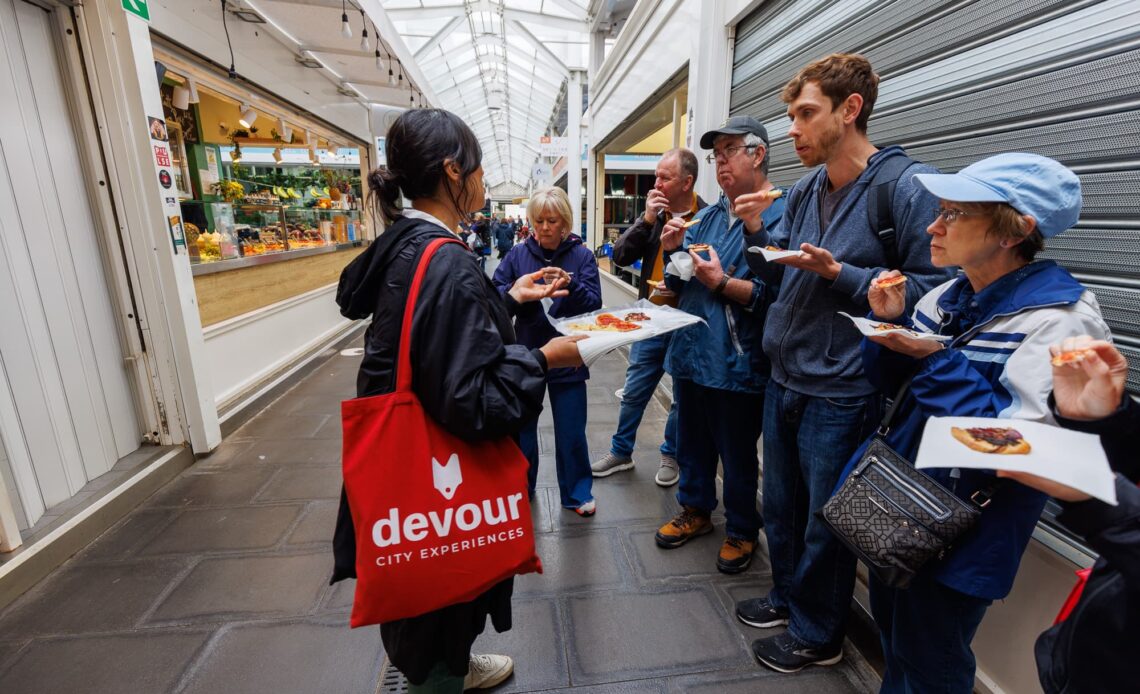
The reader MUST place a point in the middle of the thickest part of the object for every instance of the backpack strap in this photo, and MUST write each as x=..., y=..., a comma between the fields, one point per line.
x=880, y=205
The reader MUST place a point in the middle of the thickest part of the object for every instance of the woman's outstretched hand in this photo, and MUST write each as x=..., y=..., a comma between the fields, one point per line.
x=547, y=282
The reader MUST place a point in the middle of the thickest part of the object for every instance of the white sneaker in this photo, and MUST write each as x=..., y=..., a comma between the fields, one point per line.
x=486, y=671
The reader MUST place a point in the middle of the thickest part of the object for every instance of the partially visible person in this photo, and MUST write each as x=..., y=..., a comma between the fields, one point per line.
x=819, y=406
x=1096, y=648
x=1003, y=313
x=718, y=372
x=672, y=196
x=553, y=246
x=504, y=238
x=468, y=372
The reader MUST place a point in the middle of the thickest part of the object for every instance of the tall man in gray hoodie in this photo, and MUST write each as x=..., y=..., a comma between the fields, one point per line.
x=818, y=406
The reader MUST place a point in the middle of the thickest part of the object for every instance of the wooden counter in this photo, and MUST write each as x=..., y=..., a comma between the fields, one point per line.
x=224, y=295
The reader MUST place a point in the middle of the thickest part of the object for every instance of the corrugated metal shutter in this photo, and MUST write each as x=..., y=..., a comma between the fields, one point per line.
x=964, y=80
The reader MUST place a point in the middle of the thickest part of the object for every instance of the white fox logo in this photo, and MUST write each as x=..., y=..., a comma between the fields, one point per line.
x=447, y=477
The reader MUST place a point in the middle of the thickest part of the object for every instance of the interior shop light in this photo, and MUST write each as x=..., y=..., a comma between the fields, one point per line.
x=379, y=60
x=192, y=86
x=181, y=98
x=332, y=148
x=345, y=27
x=235, y=156
x=391, y=75
x=364, y=44
x=248, y=116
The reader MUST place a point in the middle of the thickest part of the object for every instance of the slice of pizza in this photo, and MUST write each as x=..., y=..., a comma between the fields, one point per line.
x=1002, y=440
x=583, y=327
x=1075, y=356
x=698, y=247
x=888, y=326
x=624, y=326
x=774, y=193
x=690, y=223
x=604, y=319
x=890, y=282
x=636, y=316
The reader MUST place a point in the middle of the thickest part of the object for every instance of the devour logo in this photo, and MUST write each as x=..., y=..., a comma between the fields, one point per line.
x=448, y=477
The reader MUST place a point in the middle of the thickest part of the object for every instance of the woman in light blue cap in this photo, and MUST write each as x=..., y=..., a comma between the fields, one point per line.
x=1002, y=312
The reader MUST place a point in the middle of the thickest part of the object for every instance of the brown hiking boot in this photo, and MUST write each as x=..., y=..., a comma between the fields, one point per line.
x=735, y=555
x=687, y=524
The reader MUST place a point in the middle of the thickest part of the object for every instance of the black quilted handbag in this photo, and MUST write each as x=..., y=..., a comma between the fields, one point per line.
x=893, y=517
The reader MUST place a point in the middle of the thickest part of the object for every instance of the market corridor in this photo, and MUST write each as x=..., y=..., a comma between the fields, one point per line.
x=218, y=582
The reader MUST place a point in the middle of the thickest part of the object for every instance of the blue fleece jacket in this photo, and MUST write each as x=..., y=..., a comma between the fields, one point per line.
x=724, y=352
x=531, y=326
x=813, y=349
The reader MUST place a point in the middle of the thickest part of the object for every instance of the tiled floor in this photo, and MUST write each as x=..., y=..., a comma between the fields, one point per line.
x=219, y=582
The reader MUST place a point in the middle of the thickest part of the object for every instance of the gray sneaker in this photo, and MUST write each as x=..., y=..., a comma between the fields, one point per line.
x=668, y=473
x=610, y=464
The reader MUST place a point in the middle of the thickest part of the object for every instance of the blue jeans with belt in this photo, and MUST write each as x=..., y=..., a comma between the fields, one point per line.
x=646, y=366
x=807, y=443
x=571, y=451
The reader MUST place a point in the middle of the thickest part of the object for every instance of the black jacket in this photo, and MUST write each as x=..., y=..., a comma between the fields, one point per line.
x=470, y=377
x=1097, y=648
x=643, y=240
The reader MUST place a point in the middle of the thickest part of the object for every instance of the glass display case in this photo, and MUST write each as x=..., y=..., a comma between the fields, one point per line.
x=260, y=229
x=315, y=226
x=210, y=231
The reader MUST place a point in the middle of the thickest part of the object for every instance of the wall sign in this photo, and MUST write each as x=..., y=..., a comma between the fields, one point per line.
x=138, y=8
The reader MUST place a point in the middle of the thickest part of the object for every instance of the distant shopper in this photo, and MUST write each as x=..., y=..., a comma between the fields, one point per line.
x=1095, y=649
x=819, y=407
x=717, y=371
x=672, y=196
x=1003, y=313
x=554, y=246
x=504, y=237
x=467, y=371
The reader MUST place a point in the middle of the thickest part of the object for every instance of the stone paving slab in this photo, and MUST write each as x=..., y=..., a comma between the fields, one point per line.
x=89, y=598
x=617, y=636
x=303, y=483
x=247, y=586
x=147, y=661
x=289, y=657
x=225, y=488
x=314, y=526
x=576, y=561
x=302, y=451
x=696, y=558
x=293, y=426
x=223, y=529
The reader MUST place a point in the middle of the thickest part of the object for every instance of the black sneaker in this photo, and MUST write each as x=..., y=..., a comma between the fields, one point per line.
x=759, y=613
x=785, y=653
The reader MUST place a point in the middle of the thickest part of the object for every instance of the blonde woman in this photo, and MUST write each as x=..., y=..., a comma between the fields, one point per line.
x=552, y=245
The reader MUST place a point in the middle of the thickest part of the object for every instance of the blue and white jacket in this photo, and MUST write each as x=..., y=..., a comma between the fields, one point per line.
x=998, y=365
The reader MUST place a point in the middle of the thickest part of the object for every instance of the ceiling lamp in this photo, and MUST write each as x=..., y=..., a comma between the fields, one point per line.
x=248, y=116
x=345, y=27
x=192, y=85
x=391, y=75
x=181, y=98
x=364, y=44
x=277, y=155
x=332, y=148
x=235, y=156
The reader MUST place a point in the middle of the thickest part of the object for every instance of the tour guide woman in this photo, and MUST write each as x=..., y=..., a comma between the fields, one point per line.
x=467, y=372
x=1003, y=312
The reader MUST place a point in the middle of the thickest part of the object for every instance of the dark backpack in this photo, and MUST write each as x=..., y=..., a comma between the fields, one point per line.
x=880, y=214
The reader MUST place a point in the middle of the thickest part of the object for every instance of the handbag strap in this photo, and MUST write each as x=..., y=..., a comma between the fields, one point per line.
x=888, y=418
x=981, y=497
x=404, y=355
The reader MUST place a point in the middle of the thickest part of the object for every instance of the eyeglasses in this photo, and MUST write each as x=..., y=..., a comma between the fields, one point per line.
x=727, y=152
x=949, y=215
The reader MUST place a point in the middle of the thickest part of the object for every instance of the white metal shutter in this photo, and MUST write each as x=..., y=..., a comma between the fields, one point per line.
x=963, y=80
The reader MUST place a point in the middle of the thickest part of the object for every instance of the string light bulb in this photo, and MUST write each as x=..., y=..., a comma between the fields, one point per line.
x=345, y=27
x=364, y=44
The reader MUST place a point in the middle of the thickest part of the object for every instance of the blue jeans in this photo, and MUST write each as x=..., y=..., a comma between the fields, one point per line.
x=926, y=632
x=571, y=452
x=807, y=442
x=722, y=424
x=646, y=366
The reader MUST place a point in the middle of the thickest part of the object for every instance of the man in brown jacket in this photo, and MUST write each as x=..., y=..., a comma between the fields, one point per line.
x=672, y=196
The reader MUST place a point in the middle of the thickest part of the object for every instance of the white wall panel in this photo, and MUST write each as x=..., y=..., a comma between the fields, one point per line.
x=244, y=350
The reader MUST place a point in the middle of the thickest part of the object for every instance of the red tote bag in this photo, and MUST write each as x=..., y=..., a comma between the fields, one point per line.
x=439, y=520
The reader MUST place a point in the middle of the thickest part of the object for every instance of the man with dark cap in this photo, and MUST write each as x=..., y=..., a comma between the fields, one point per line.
x=719, y=372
